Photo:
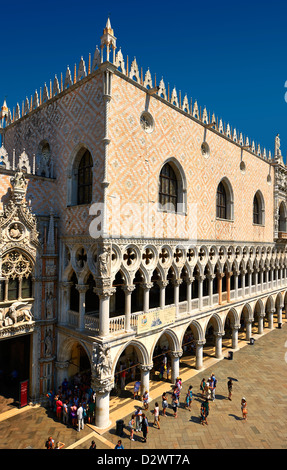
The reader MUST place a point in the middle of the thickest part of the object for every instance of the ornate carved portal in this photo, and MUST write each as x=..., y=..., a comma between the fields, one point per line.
x=18, y=247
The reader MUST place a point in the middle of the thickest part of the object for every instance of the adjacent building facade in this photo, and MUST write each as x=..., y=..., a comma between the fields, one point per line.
x=130, y=217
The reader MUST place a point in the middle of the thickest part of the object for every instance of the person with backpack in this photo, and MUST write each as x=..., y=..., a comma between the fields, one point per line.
x=144, y=427
x=212, y=386
x=50, y=443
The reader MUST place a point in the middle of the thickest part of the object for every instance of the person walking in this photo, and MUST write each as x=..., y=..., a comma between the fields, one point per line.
x=213, y=383
x=80, y=416
x=93, y=445
x=138, y=415
x=156, y=415
x=65, y=412
x=164, y=404
x=144, y=427
x=174, y=404
x=229, y=386
x=49, y=443
x=73, y=411
x=145, y=399
x=131, y=427
x=202, y=387
x=244, y=408
x=119, y=445
x=188, y=398
x=205, y=406
x=136, y=389
x=59, y=405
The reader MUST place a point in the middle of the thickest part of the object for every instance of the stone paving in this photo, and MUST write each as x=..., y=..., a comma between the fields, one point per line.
x=259, y=372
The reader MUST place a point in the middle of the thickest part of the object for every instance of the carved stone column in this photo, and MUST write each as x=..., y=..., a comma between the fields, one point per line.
x=146, y=288
x=235, y=329
x=145, y=371
x=65, y=288
x=176, y=284
x=218, y=344
x=102, y=387
x=188, y=293
x=271, y=318
x=219, y=287
x=260, y=323
x=228, y=276
x=162, y=285
x=210, y=288
x=243, y=272
x=128, y=294
x=236, y=274
x=82, y=289
x=104, y=310
x=279, y=313
x=248, y=328
x=175, y=359
x=199, y=354
x=200, y=290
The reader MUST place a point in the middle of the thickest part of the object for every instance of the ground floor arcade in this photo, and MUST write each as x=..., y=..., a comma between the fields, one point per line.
x=162, y=354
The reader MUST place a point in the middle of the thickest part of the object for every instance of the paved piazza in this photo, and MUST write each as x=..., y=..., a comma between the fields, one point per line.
x=259, y=372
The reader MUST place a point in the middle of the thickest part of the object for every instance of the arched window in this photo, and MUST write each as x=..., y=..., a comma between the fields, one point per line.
x=282, y=218
x=258, y=209
x=85, y=179
x=172, y=187
x=221, y=205
x=224, y=200
x=168, y=191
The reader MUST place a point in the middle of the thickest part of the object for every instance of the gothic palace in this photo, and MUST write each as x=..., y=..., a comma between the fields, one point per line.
x=133, y=224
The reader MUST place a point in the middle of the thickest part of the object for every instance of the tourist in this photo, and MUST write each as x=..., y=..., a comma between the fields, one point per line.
x=188, y=398
x=131, y=427
x=65, y=414
x=145, y=399
x=91, y=410
x=205, y=406
x=136, y=389
x=73, y=412
x=80, y=416
x=202, y=387
x=244, y=408
x=50, y=443
x=59, y=406
x=229, y=386
x=138, y=415
x=164, y=403
x=93, y=445
x=59, y=445
x=156, y=415
x=212, y=386
x=119, y=445
x=174, y=404
x=144, y=427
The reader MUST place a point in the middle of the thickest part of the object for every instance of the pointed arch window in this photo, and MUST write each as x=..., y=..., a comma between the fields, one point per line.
x=172, y=187
x=221, y=206
x=258, y=209
x=224, y=200
x=168, y=188
x=85, y=179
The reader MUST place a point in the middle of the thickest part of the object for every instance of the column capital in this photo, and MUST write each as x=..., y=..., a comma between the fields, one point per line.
x=176, y=353
x=220, y=275
x=62, y=365
x=162, y=284
x=104, y=385
x=128, y=289
x=147, y=285
x=146, y=367
x=82, y=288
x=200, y=342
x=177, y=282
x=104, y=293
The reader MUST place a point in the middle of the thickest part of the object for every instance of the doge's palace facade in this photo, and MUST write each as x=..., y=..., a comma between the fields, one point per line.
x=130, y=216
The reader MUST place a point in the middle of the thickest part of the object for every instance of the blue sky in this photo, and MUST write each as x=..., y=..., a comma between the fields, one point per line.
x=230, y=56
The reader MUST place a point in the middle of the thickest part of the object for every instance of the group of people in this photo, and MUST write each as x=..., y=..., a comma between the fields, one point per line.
x=74, y=403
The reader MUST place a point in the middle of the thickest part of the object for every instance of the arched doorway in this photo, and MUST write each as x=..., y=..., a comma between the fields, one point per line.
x=162, y=359
x=14, y=366
x=127, y=371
